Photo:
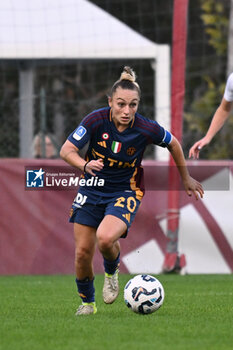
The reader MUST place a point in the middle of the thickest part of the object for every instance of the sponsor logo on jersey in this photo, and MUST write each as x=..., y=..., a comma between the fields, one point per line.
x=116, y=146
x=113, y=162
x=102, y=144
x=105, y=136
x=130, y=151
x=35, y=178
x=79, y=133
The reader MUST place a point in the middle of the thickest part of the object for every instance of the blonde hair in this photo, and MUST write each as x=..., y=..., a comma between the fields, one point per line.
x=127, y=81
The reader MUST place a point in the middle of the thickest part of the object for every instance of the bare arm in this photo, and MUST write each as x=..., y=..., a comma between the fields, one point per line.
x=191, y=185
x=219, y=118
x=69, y=153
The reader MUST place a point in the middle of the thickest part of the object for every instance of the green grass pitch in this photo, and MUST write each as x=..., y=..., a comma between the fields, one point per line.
x=37, y=313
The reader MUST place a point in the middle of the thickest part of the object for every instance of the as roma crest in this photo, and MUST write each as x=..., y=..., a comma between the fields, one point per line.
x=130, y=151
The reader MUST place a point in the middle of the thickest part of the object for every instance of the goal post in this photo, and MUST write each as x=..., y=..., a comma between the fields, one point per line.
x=162, y=95
x=173, y=260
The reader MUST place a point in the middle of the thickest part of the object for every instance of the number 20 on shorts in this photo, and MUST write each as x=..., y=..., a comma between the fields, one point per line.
x=130, y=203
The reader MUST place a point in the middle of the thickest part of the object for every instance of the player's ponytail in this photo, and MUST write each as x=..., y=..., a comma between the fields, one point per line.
x=128, y=74
x=127, y=81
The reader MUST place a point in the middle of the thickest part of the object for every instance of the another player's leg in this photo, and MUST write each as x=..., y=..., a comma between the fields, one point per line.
x=85, y=241
x=173, y=261
x=108, y=233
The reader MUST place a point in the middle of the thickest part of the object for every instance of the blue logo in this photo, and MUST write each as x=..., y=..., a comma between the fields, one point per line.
x=79, y=133
x=35, y=178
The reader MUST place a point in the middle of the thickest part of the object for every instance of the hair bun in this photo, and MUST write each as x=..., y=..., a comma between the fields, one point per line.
x=128, y=74
x=127, y=81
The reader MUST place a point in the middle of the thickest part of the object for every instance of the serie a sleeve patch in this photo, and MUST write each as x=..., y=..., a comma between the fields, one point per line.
x=79, y=133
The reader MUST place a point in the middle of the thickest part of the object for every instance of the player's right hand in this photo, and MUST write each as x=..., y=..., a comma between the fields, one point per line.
x=95, y=165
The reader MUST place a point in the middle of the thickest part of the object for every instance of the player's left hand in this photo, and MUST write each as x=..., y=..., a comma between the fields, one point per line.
x=193, y=187
x=194, y=151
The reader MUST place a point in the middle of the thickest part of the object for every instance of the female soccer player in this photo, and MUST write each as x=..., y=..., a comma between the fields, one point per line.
x=221, y=115
x=103, y=210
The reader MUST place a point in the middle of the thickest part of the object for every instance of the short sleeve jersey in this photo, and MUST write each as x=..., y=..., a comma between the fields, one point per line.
x=228, y=94
x=121, y=152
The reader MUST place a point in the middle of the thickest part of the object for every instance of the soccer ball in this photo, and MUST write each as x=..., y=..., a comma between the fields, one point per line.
x=144, y=294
